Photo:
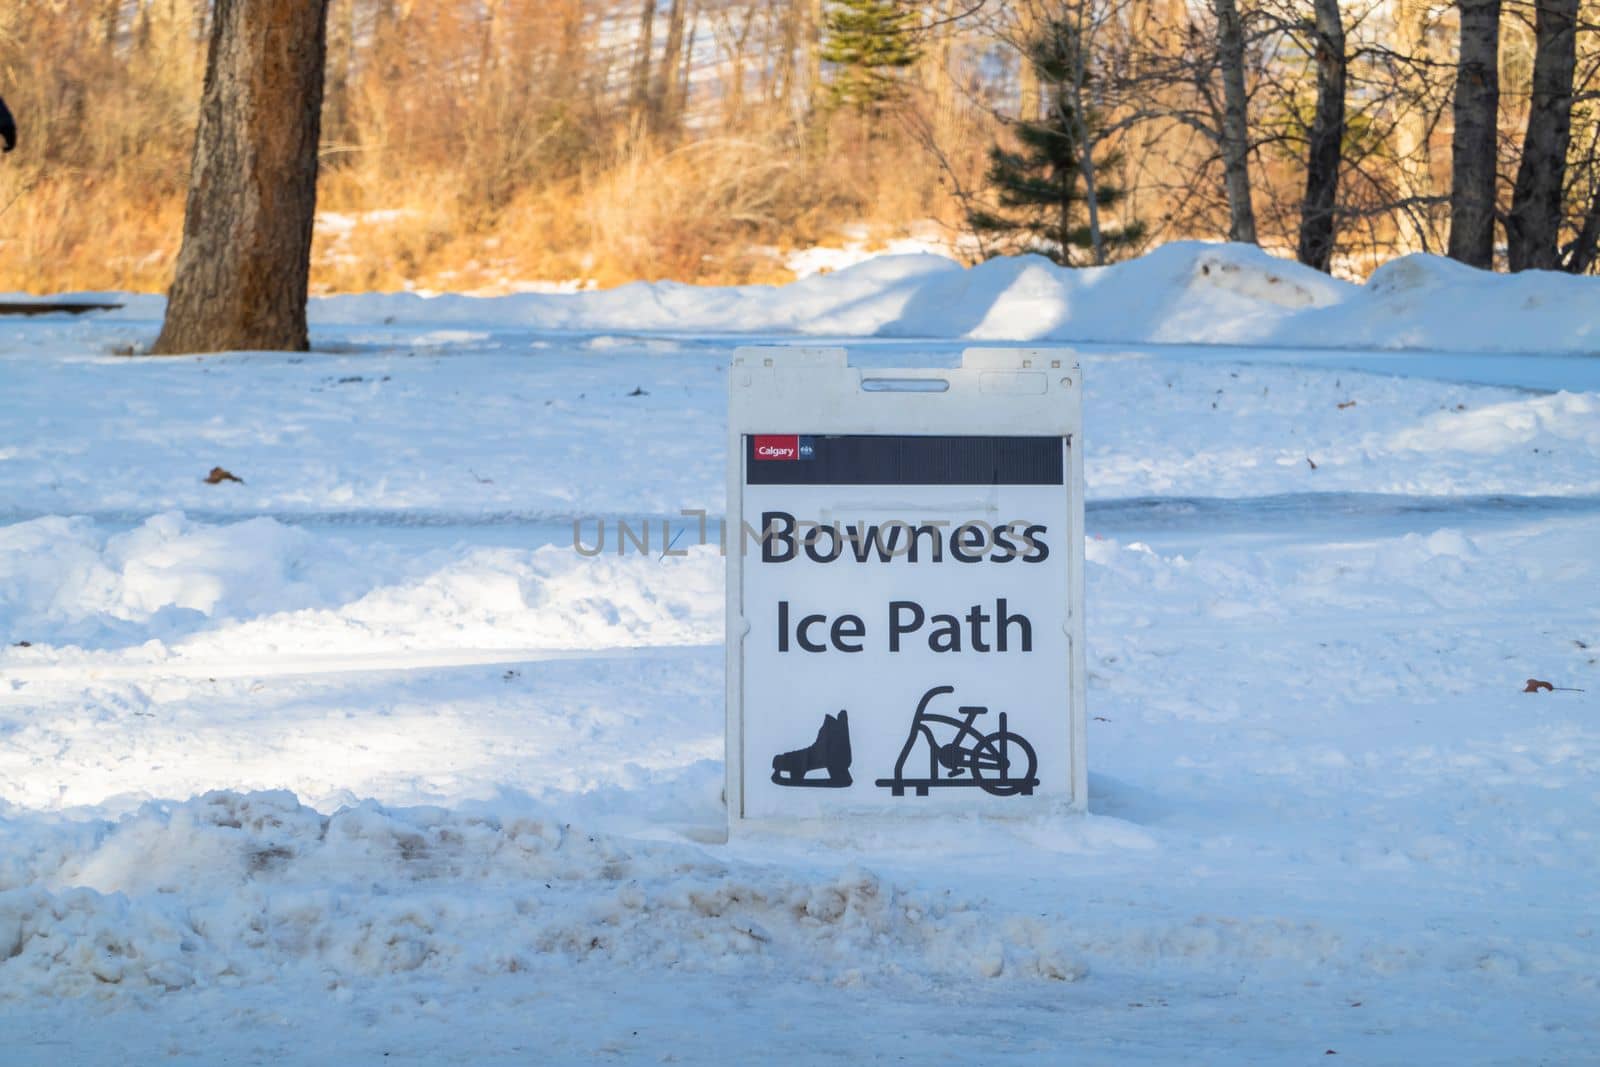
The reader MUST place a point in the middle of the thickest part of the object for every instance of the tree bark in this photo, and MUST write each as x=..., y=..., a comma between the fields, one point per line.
x=814, y=52
x=340, y=63
x=1472, y=157
x=665, y=88
x=1533, y=232
x=1327, y=139
x=1413, y=154
x=1235, y=133
x=940, y=78
x=1085, y=144
x=245, y=263
x=1030, y=94
x=681, y=87
x=1586, y=246
x=641, y=69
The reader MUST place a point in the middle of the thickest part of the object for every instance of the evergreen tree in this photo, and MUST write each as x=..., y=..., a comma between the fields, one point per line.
x=1041, y=185
x=869, y=42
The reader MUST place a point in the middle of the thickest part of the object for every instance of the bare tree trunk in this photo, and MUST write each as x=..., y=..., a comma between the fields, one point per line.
x=1081, y=133
x=1533, y=232
x=641, y=68
x=1030, y=94
x=1413, y=154
x=245, y=263
x=341, y=50
x=664, y=91
x=1091, y=190
x=1586, y=246
x=680, y=92
x=1327, y=139
x=938, y=71
x=784, y=66
x=1235, y=139
x=736, y=46
x=814, y=52
x=112, y=14
x=1472, y=157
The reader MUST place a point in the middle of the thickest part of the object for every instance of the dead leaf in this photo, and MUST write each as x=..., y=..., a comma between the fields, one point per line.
x=218, y=476
x=1535, y=685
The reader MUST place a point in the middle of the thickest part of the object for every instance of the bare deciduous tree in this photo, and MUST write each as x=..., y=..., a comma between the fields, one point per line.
x=1235, y=128
x=1533, y=229
x=245, y=261
x=1327, y=138
x=1473, y=150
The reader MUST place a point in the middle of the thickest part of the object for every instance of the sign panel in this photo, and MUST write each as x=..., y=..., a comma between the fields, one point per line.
x=905, y=585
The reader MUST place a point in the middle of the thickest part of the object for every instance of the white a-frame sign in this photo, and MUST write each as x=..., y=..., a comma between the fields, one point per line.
x=905, y=586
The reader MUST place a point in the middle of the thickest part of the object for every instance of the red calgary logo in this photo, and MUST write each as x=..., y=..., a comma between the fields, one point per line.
x=777, y=446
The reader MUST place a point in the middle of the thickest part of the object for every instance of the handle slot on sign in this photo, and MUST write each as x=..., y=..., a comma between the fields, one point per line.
x=905, y=385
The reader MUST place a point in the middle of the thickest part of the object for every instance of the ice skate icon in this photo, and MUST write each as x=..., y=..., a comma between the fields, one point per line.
x=830, y=751
x=1001, y=764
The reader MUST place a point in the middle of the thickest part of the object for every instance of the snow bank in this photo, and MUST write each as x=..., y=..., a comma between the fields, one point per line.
x=234, y=888
x=235, y=588
x=67, y=578
x=1562, y=421
x=1185, y=292
x=821, y=259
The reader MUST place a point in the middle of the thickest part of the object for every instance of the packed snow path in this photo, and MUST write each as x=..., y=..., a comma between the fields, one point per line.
x=357, y=759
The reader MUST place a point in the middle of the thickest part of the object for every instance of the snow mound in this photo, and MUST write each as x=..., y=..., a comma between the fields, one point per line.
x=820, y=259
x=69, y=579
x=513, y=598
x=1422, y=301
x=239, y=588
x=1563, y=420
x=1185, y=292
x=234, y=888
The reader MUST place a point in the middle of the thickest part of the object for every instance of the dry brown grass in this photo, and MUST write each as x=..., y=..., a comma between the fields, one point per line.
x=457, y=155
x=713, y=211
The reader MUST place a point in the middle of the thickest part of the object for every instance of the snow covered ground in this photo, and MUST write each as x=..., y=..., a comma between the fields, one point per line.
x=357, y=761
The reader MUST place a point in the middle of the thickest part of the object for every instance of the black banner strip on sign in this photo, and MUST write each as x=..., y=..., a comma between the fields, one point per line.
x=874, y=459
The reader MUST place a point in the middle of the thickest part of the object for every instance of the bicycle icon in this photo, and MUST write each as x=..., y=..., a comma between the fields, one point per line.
x=1001, y=763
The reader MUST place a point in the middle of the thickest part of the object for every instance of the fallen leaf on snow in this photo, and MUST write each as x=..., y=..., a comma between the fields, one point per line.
x=1536, y=684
